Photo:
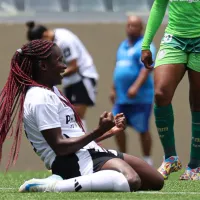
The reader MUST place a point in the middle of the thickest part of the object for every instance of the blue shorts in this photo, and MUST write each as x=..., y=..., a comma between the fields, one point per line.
x=137, y=115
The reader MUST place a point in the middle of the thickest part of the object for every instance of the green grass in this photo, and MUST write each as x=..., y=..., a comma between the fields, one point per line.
x=172, y=186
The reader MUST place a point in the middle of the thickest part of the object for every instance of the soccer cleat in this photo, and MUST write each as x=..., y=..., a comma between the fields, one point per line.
x=40, y=185
x=169, y=165
x=191, y=174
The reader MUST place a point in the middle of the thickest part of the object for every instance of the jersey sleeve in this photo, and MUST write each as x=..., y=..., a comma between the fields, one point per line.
x=46, y=116
x=155, y=19
x=69, y=51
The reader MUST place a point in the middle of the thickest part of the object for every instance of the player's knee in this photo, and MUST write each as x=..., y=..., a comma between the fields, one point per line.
x=134, y=182
x=159, y=183
x=162, y=97
x=120, y=183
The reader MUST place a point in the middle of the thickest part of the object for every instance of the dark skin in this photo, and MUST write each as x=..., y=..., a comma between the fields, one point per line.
x=134, y=29
x=139, y=175
x=172, y=74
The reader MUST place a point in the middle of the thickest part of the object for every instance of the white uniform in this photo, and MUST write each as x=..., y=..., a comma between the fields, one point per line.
x=43, y=109
x=73, y=48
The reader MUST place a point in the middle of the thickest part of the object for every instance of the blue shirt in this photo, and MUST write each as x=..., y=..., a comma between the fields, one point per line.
x=127, y=70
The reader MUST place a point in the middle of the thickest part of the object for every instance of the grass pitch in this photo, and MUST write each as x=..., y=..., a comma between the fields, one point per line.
x=173, y=190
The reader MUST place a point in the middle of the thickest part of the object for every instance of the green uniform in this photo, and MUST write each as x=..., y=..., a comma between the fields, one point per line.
x=181, y=42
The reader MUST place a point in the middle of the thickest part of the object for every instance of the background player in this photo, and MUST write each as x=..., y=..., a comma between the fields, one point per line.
x=80, y=77
x=179, y=52
x=132, y=91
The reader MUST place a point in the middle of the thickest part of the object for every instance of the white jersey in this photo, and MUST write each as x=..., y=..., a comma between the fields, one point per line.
x=73, y=48
x=43, y=109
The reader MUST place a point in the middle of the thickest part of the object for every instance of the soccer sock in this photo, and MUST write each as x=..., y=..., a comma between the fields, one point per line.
x=165, y=125
x=148, y=159
x=195, y=143
x=84, y=125
x=102, y=181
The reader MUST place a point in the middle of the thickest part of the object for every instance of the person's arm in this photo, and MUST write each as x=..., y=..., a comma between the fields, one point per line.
x=143, y=74
x=70, y=58
x=48, y=123
x=155, y=19
x=65, y=146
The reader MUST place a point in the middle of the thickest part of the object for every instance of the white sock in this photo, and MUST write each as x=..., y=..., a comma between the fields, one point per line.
x=84, y=124
x=148, y=159
x=105, y=180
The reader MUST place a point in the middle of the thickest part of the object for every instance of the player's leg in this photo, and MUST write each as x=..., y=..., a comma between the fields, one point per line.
x=151, y=179
x=138, y=116
x=167, y=75
x=146, y=145
x=193, y=170
x=139, y=174
x=120, y=138
x=102, y=181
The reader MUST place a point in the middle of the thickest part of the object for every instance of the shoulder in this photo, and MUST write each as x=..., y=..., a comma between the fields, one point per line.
x=38, y=95
x=122, y=44
x=64, y=37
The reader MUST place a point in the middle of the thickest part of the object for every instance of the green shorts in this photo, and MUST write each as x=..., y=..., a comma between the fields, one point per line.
x=176, y=50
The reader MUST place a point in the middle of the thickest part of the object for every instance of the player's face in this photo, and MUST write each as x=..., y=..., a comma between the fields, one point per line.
x=56, y=66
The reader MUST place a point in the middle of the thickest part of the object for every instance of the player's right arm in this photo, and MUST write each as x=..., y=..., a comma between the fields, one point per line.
x=155, y=19
x=48, y=123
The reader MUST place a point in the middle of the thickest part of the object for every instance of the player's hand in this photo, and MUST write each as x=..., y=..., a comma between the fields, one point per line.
x=106, y=122
x=147, y=59
x=112, y=96
x=132, y=92
x=120, y=122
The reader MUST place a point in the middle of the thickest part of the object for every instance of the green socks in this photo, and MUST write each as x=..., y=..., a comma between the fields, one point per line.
x=165, y=125
x=195, y=143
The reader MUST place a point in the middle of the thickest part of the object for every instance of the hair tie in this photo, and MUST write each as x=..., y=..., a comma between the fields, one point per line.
x=20, y=51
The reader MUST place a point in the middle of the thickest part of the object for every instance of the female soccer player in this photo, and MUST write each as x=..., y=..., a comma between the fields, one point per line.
x=179, y=52
x=80, y=77
x=55, y=130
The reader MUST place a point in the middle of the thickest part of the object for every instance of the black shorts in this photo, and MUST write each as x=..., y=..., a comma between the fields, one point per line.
x=83, y=92
x=70, y=166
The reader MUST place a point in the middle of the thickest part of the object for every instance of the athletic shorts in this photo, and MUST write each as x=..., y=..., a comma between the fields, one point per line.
x=83, y=92
x=137, y=115
x=176, y=50
x=72, y=166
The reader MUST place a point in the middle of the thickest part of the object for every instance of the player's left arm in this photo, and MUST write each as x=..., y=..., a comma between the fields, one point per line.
x=70, y=58
x=144, y=73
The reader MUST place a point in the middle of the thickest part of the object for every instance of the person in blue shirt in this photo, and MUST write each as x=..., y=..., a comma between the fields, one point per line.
x=132, y=91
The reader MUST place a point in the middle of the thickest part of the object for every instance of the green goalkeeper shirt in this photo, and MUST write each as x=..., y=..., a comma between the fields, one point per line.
x=184, y=19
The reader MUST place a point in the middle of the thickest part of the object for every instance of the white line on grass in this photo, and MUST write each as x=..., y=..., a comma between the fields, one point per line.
x=148, y=192
x=8, y=188
x=141, y=192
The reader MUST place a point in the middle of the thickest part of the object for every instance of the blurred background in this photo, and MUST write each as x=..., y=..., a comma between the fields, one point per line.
x=100, y=24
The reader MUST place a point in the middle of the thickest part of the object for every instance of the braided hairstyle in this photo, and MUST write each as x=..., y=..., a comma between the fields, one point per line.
x=23, y=66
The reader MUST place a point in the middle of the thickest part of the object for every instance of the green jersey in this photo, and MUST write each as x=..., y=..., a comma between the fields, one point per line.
x=184, y=19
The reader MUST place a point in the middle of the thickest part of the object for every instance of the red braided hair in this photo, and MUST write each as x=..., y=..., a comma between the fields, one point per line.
x=13, y=94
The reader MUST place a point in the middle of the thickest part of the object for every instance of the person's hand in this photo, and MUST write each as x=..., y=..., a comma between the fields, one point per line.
x=106, y=122
x=132, y=92
x=120, y=123
x=147, y=59
x=112, y=96
x=119, y=127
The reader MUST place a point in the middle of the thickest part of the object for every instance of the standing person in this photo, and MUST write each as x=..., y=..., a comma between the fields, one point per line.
x=80, y=77
x=179, y=52
x=132, y=90
x=55, y=130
